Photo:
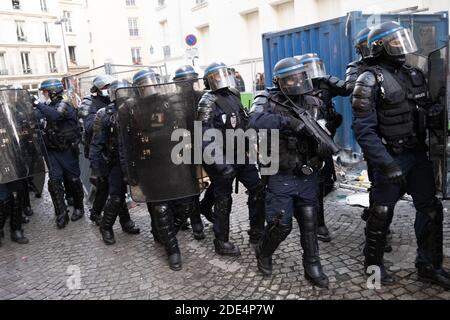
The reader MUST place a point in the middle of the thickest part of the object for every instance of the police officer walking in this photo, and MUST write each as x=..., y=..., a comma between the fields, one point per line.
x=326, y=88
x=89, y=107
x=104, y=154
x=387, y=100
x=294, y=190
x=221, y=109
x=62, y=137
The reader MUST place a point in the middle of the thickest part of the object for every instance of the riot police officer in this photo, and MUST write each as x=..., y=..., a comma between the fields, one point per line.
x=62, y=137
x=387, y=100
x=89, y=107
x=186, y=76
x=221, y=109
x=294, y=190
x=326, y=88
x=148, y=118
x=104, y=153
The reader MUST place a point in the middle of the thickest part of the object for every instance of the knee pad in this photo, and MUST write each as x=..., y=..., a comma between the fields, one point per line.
x=280, y=232
x=380, y=216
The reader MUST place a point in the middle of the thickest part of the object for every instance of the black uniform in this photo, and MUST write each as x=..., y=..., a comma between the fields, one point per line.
x=106, y=162
x=290, y=193
x=222, y=110
x=387, y=102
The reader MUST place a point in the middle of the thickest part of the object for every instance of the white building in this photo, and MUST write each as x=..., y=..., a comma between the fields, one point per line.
x=30, y=42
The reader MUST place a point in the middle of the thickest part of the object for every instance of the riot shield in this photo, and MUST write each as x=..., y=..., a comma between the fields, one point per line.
x=21, y=152
x=438, y=64
x=147, y=119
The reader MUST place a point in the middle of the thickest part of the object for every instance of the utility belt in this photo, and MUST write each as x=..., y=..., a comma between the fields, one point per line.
x=400, y=145
x=306, y=168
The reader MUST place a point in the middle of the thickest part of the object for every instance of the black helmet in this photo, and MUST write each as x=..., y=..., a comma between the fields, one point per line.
x=218, y=76
x=101, y=83
x=391, y=39
x=291, y=77
x=145, y=77
x=185, y=73
x=315, y=68
x=361, y=43
x=115, y=85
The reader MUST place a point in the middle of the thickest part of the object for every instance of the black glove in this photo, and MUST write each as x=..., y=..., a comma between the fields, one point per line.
x=226, y=171
x=35, y=101
x=335, y=123
x=394, y=174
x=435, y=116
x=296, y=125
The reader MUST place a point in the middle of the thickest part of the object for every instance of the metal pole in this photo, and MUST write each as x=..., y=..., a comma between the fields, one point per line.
x=60, y=22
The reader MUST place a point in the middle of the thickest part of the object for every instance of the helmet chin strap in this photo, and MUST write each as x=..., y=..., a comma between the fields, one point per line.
x=396, y=61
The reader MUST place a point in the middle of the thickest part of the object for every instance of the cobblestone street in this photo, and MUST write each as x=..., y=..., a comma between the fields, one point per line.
x=136, y=267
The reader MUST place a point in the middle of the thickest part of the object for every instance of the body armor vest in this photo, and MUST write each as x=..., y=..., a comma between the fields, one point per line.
x=402, y=93
x=112, y=136
x=62, y=135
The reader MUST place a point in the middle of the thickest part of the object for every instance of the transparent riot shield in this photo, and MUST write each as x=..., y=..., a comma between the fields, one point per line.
x=438, y=64
x=156, y=128
x=21, y=151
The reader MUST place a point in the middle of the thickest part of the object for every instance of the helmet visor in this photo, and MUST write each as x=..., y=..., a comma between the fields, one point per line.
x=220, y=78
x=363, y=49
x=295, y=84
x=400, y=43
x=314, y=68
x=147, y=80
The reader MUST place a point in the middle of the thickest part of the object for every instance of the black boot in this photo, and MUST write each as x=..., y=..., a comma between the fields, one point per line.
x=181, y=213
x=101, y=196
x=69, y=196
x=76, y=188
x=207, y=204
x=429, y=231
x=27, y=203
x=128, y=225
x=222, y=244
x=376, y=231
x=112, y=208
x=16, y=219
x=165, y=228
x=323, y=234
x=273, y=236
x=153, y=231
x=56, y=191
x=307, y=220
x=388, y=245
x=257, y=214
x=196, y=221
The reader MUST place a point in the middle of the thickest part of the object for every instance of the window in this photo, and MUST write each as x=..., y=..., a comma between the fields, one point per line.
x=46, y=32
x=286, y=15
x=161, y=3
x=52, y=62
x=16, y=4
x=26, y=67
x=72, y=55
x=254, y=45
x=166, y=51
x=68, y=23
x=136, y=55
x=3, y=69
x=44, y=5
x=131, y=3
x=199, y=2
x=165, y=31
x=20, y=31
x=133, y=27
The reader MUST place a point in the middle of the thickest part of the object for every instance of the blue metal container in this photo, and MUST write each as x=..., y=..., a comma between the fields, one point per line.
x=333, y=41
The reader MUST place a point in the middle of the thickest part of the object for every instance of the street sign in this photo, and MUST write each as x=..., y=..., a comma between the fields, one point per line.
x=191, y=40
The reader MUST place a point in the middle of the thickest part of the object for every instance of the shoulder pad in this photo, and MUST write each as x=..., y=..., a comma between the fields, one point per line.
x=235, y=92
x=312, y=101
x=63, y=107
x=101, y=113
x=110, y=110
x=364, y=94
x=259, y=102
x=354, y=64
x=208, y=99
x=99, y=120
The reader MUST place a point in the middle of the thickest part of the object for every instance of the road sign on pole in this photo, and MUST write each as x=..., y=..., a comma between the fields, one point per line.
x=191, y=40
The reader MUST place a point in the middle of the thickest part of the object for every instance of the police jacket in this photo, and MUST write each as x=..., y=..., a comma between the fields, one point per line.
x=272, y=110
x=62, y=131
x=387, y=104
x=221, y=110
x=88, y=109
x=105, y=138
x=354, y=70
